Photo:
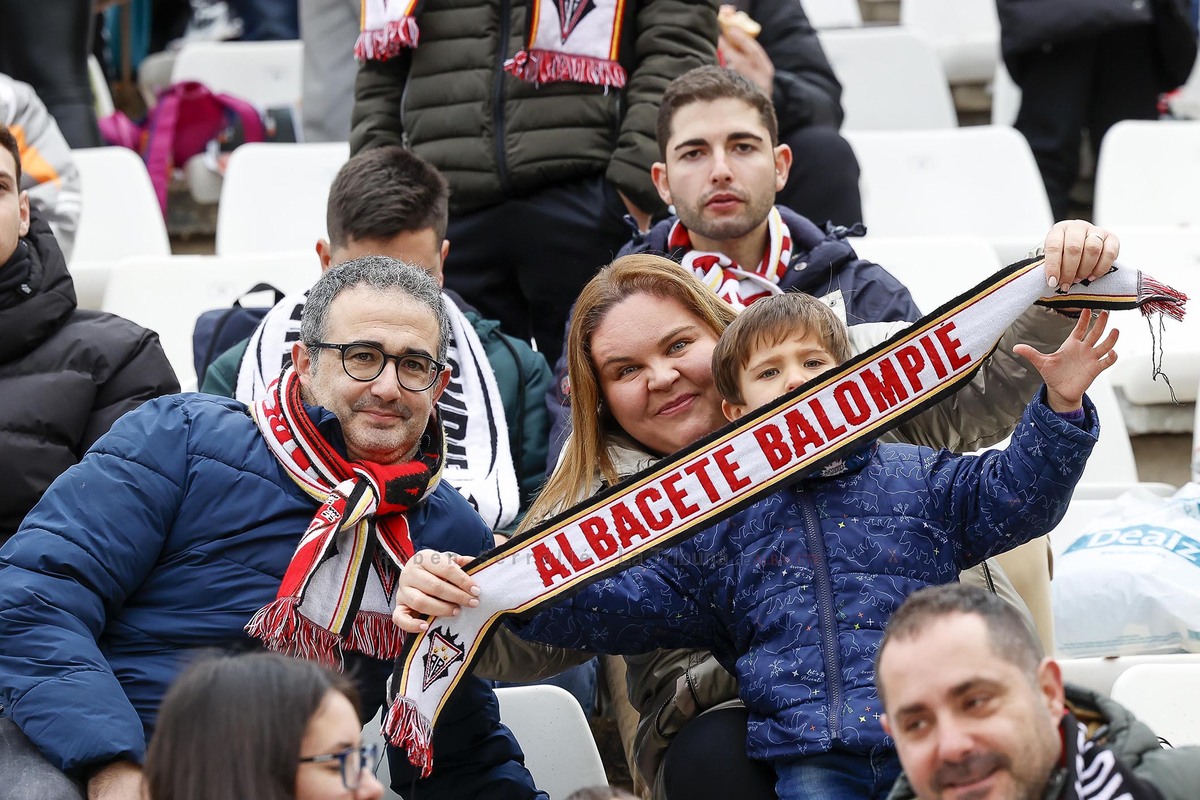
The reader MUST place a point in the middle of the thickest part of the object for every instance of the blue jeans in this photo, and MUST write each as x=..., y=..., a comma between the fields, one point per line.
x=26, y=775
x=838, y=774
x=580, y=681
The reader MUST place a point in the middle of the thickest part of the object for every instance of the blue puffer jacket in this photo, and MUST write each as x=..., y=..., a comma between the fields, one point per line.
x=792, y=594
x=164, y=540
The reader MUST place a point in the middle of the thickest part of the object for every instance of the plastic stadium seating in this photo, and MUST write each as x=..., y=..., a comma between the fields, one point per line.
x=934, y=268
x=891, y=80
x=1006, y=97
x=1147, y=174
x=1099, y=674
x=826, y=14
x=965, y=34
x=1165, y=697
x=274, y=196
x=976, y=181
x=1173, y=257
x=264, y=73
x=120, y=215
x=555, y=737
x=168, y=294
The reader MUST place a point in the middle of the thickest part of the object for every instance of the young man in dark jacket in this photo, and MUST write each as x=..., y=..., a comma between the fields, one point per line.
x=977, y=710
x=66, y=374
x=195, y=520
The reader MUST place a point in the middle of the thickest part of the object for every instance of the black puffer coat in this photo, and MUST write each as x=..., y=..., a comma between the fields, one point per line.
x=65, y=376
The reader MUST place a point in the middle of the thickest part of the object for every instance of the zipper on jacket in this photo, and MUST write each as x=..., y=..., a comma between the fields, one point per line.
x=498, y=96
x=829, y=637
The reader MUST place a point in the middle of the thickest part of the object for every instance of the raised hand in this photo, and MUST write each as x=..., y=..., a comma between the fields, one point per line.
x=1070, y=370
x=1076, y=249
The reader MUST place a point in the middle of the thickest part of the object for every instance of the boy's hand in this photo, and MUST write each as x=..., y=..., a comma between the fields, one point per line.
x=432, y=583
x=1076, y=249
x=1070, y=370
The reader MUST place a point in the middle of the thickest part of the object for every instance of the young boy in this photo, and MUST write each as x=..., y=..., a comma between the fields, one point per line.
x=792, y=593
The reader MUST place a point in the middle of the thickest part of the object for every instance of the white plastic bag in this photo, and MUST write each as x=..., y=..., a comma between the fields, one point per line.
x=1130, y=582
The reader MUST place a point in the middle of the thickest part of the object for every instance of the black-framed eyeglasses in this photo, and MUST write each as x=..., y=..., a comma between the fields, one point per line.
x=352, y=761
x=364, y=362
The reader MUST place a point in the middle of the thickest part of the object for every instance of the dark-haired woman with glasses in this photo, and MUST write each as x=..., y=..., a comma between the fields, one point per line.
x=260, y=726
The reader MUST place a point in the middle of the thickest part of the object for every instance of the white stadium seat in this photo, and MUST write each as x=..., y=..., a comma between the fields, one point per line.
x=1165, y=696
x=965, y=34
x=274, y=196
x=553, y=733
x=120, y=214
x=267, y=74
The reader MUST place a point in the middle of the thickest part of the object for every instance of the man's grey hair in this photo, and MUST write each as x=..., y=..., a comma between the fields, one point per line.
x=382, y=274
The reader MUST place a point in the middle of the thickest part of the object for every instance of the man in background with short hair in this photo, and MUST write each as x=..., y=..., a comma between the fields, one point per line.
x=977, y=711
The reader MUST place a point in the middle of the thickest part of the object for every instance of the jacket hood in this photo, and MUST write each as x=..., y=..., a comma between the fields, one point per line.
x=30, y=321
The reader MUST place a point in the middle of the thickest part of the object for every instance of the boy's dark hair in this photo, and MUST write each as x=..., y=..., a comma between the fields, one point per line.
x=1011, y=638
x=706, y=84
x=385, y=192
x=766, y=322
x=9, y=142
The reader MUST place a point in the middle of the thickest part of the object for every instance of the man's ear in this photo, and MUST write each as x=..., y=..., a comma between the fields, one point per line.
x=325, y=253
x=303, y=361
x=658, y=174
x=783, y=165
x=445, y=250
x=1050, y=685
x=732, y=411
x=439, y=385
x=887, y=725
x=23, y=203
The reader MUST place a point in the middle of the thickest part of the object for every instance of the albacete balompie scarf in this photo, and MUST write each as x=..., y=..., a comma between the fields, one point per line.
x=338, y=590
x=779, y=443
x=567, y=40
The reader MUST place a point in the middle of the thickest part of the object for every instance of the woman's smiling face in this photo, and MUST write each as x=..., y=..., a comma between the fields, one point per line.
x=653, y=359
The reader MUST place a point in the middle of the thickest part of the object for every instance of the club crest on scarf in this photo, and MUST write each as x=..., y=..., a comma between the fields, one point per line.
x=339, y=588
x=569, y=14
x=444, y=652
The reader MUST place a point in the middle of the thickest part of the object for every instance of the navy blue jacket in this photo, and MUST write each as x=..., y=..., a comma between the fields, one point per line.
x=822, y=263
x=163, y=541
x=792, y=594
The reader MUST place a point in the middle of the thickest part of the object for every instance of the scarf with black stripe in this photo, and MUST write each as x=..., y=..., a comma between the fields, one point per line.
x=338, y=591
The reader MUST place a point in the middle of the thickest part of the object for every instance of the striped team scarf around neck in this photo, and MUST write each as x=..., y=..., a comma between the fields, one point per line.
x=338, y=591
x=827, y=419
x=736, y=285
x=567, y=40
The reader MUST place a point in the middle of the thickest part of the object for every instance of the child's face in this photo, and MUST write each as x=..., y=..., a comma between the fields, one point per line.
x=775, y=369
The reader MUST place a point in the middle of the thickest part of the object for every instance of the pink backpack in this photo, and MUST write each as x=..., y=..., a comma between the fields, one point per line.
x=186, y=118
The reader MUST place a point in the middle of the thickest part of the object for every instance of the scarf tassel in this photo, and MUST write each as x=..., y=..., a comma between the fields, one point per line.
x=406, y=728
x=380, y=44
x=548, y=66
x=1158, y=298
x=375, y=635
x=284, y=629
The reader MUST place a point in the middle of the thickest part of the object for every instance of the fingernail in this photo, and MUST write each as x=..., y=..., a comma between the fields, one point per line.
x=475, y=590
x=473, y=603
x=424, y=626
x=456, y=612
x=1052, y=281
x=1066, y=287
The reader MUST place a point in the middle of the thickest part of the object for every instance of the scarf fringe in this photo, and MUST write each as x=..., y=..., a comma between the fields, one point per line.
x=391, y=40
x=549, y=66
x=404, y=727
x=284, y=629
x=1158, y=298
x=375, y=635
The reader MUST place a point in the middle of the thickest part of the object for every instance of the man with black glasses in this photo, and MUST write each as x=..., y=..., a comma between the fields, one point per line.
x=197, y=520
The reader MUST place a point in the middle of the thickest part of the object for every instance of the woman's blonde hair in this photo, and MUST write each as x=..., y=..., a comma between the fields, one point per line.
x=586, y=452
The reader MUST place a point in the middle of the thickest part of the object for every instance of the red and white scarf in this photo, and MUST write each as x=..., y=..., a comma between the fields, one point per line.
x=826, y=419
x=736, y=285
x=567, y=40
x=338, y=590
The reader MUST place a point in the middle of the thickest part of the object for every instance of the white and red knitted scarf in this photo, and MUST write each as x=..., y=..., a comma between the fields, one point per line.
x=733, y=283
x=567, y=40
x=338, y=590
x=828, y=418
